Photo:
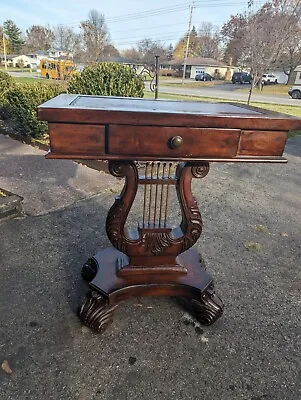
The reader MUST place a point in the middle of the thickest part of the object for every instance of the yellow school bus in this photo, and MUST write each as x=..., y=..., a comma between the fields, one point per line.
x=57, y=69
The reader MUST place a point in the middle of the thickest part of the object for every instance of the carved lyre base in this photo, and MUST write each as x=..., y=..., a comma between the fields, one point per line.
x=155, y=259
x=195, y=289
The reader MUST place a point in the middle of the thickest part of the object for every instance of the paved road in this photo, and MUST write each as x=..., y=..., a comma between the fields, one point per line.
x=25, y=74
x=228, y=92
x=224, y=91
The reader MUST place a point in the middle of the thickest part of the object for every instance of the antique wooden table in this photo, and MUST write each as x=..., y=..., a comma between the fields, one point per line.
x=157, y=146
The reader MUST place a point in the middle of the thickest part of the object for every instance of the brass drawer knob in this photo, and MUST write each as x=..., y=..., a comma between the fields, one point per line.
x=175, y=142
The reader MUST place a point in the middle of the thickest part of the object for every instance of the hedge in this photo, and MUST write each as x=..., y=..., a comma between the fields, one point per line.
x=107, y=79
x=20, y=103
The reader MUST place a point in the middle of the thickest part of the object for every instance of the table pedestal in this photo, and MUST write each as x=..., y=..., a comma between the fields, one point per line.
x=154, y=259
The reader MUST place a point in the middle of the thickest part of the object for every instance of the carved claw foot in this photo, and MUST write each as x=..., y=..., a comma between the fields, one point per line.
x=96, y=312
x=207, y=309
x=89, y=270
x=210, y=308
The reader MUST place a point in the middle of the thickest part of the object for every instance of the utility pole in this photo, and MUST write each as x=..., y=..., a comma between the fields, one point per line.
x=4, y=50
x=187, y=43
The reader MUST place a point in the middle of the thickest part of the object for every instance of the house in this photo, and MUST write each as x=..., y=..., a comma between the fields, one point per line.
x=15, y=60
x=279, y=75
x=52, y=54
x=35, y=58
x=196, y=65
x=296, y=76
x=57, y=53
x=32, y=59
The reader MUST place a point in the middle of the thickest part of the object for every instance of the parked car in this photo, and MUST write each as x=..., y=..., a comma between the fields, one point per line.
x=295, y=92
x=203, y=76
x=241, y=77
x=269, y=79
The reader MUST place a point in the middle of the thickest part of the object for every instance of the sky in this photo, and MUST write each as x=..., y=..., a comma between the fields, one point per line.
x=128, y=21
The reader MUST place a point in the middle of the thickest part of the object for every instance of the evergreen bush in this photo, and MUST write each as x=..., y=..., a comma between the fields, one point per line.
x=107, y=79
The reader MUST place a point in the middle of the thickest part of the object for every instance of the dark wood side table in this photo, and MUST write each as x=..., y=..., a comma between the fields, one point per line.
x=157, y=146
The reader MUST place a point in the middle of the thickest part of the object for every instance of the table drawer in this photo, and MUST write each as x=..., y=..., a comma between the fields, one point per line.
x=77, y=139
x=159, y=141
x=262, y=143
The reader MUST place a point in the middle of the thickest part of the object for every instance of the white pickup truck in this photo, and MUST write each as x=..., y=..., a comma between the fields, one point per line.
x=269, y=79
x=295, y=92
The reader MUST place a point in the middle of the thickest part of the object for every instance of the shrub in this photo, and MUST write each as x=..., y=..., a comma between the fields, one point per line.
x=6, y=82
x=107, y=79
x=22, y=101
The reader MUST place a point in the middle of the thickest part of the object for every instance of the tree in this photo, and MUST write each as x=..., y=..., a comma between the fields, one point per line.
x=208, y=41
x=268, y=31
x=170, y=52
x=67, y=40
x=148, y=49
x=133, y=54
x=290, y=57
x=179, y=51
x=194, y=43
x=263, y=35
x=203, y=43
x=95, y=35
x=14, y=36
x=233, y=33
x=38, y=37
x=111, y=51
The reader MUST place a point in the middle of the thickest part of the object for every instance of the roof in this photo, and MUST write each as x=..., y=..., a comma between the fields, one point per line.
x=120, y=60
x=196, y=61
x=10, y=56
x=40, y=52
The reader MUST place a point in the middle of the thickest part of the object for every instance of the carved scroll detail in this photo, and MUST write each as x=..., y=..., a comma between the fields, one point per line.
x=194, y=227
x=200, y=171
x=119, y=211
x=155, y=242
x=191, y=224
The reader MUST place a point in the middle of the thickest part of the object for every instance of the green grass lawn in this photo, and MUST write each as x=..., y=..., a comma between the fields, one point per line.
x=193, y=84
x=267, y=90
x=284, y=109
x=35, y=80
x=12, y=69
x=290, y=110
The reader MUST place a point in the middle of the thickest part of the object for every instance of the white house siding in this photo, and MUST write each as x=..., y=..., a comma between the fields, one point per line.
x=22, y=59
x=281, y=76
x=196, y=69
x=298, y=75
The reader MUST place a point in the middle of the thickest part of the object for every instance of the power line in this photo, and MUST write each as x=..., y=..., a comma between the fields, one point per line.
x=158, y=41
x=153, y=35
x=170, y=9
x=149, y=27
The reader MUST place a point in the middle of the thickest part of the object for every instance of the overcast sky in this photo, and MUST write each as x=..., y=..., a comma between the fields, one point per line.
x=165, y=21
